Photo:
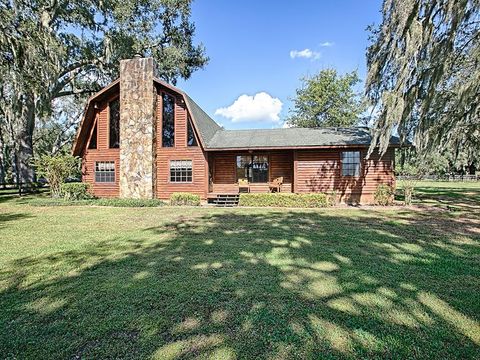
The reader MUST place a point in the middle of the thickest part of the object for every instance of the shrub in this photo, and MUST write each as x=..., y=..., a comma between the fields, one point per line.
x=188, y=199
x=383, y=195
x=333, y=198
x=128, y=202
x=75, y=191
x=56, y=169
x=411, y=175
x=42, y=201
x=408, y=191
x=316, y=200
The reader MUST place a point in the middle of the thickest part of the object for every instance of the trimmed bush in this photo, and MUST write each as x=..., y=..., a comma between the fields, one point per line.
x=383, y=195
x=75, y=191
x=128, y=202
x=317, y=200
x=184, y=199
x=43, y=201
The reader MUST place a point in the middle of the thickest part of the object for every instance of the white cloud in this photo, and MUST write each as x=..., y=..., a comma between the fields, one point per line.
x=327, y=44
x=306, y=53
x=259, y=107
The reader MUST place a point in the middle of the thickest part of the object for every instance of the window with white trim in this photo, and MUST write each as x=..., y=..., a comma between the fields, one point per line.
x=105, y=171
x=181, y=170
x=351, y=163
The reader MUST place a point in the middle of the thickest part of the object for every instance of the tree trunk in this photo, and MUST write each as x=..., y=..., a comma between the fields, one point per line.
x=472, y=169
x=3, y=171
x=24, y=141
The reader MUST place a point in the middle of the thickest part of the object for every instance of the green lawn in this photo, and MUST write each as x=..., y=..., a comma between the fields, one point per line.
x=168, y=283
x=449, y=195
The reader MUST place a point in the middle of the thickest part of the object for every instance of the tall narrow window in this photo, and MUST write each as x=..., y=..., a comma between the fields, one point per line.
x=92, y=144
x=114, y=123
x=253, y=168
x=351, y=163
x=243, y=167
x=191, y=139
x=168, y=122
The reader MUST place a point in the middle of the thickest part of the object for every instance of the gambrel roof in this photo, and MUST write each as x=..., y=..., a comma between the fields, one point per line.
x=214, y=137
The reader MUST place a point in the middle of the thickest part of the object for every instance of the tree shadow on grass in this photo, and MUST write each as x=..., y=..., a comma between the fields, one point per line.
x=239, y=284
x=461, y=198
x=7, y=217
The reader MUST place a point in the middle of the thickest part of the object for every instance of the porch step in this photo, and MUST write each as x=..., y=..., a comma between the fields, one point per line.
x=226, y=200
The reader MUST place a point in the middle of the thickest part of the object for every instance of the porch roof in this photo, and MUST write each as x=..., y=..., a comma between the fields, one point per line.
x=292, y=137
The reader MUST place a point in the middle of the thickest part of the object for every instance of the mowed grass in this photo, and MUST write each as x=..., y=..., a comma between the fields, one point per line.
x=463, y=196
x=82, y=282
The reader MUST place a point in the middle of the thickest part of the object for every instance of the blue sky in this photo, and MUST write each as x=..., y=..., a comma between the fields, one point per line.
x=259, y=50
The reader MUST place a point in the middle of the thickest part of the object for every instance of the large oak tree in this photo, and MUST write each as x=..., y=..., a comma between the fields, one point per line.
x=424, y=75
x=50, y=49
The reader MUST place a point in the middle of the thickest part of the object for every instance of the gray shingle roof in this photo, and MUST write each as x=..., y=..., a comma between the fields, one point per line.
x=213, y=136
x=206, y=126
x=292, y=137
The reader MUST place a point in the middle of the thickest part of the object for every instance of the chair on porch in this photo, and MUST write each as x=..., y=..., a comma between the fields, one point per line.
x=276, y=184
x=243, y=186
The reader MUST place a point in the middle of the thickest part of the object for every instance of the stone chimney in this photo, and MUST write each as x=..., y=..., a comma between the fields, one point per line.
x=137, y=128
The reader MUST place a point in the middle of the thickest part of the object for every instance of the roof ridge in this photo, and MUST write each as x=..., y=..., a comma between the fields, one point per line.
x=303, y=128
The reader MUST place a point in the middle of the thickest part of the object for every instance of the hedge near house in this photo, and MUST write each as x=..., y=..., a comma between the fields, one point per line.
x=317, y=200
x=75, y=191
x=185, y=199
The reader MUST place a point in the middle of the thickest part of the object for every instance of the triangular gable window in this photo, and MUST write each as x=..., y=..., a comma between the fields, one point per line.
x=191, y=139
x=92, y=144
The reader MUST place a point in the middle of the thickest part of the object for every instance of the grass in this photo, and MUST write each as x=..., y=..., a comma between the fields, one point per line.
x=84, y=282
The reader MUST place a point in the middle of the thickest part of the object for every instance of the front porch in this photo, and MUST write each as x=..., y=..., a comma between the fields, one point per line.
x=233, y=172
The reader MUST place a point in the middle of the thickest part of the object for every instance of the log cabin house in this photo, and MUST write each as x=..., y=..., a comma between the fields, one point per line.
x=143, y=138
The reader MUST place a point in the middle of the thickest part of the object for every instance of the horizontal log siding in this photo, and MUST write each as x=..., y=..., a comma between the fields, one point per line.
x=199, y=184
x=101, y=153
x=224, y=171
x=320, y=171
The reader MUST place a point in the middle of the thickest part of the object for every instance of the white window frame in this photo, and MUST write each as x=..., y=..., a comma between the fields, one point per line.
x=183, y=171
x=102, y=169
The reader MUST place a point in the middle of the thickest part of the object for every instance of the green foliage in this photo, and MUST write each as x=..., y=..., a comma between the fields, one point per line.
x=128, y=202
x=184, y=199
x=438, y=163
x=114, y=202
x=408, y=192
x=410, y=174
x=53, y=50
x=56, y=169
x=75, y=191
x=317, y=200
x=54, y=134
x=327, y=99
x=384, y=195
x=423, y=75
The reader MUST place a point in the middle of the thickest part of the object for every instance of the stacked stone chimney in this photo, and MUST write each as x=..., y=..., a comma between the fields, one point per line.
x=137, y=128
